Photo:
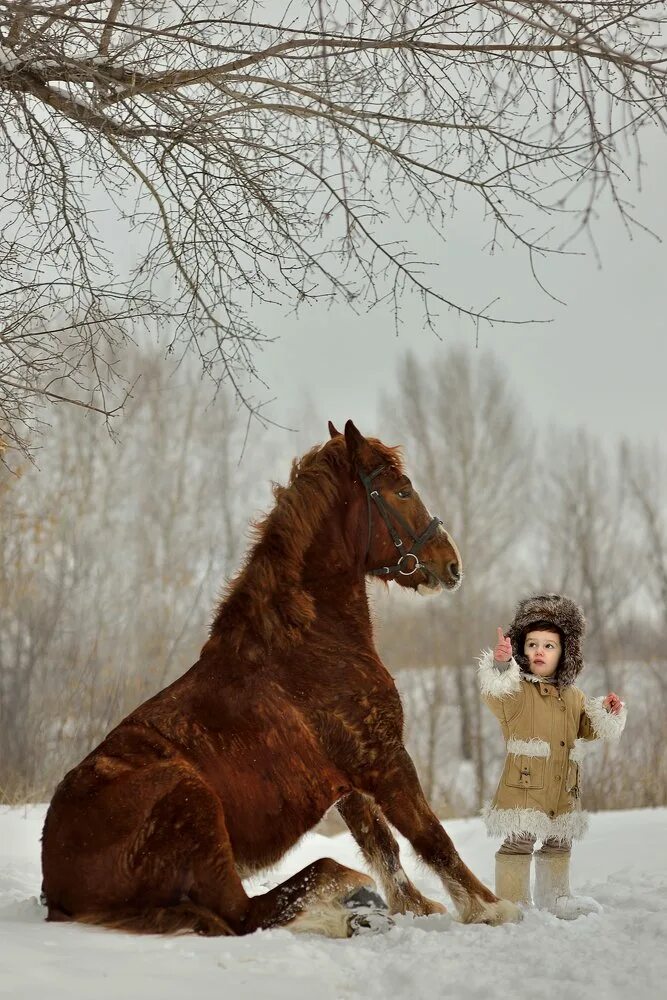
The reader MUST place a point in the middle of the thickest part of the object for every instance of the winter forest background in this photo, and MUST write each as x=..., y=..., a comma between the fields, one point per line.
x=175, y=188
x=113, y=554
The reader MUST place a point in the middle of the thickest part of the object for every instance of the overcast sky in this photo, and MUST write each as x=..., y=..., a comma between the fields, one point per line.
x=601, y=362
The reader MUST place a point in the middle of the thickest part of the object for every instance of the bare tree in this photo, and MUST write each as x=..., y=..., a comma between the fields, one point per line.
x=110, y=559
x=252, y=156
x=586, y=537
x=645, y=471
x=470, y=451
x=646, y=474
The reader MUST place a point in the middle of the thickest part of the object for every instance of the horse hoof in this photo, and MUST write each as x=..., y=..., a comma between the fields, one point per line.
x=503, y=912
x=369, y=922
x=370, y=913
x=364, y=898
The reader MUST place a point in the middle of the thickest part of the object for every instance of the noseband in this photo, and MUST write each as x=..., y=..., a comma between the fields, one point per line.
x=386, y=513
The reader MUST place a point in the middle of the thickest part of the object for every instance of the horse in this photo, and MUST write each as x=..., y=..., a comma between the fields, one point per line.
x=288, y=711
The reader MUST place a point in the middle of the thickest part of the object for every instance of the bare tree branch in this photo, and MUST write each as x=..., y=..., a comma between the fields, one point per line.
x=252, y=160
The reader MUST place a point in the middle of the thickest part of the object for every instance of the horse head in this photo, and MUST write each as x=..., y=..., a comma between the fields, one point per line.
x=403, y=541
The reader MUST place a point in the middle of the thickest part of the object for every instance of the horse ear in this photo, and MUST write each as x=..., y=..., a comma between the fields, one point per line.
x=358, y=448
x=332, y=431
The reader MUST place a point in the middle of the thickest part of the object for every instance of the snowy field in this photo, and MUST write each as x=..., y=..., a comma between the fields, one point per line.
x=619, y=953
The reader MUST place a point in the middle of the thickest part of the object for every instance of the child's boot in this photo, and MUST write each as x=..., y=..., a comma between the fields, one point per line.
x=552, y=888
x=513, y=877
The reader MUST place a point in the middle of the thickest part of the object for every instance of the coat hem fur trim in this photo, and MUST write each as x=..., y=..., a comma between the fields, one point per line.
x=494, y=683
x=606, y=725
x=522, y=822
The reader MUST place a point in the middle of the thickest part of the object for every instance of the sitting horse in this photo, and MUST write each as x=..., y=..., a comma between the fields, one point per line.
x=288, y=710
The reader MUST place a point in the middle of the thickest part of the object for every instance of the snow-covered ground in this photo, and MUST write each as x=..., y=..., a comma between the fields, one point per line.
x=619, y=953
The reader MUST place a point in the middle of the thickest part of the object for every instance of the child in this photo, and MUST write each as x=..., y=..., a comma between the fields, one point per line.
x=546, y=722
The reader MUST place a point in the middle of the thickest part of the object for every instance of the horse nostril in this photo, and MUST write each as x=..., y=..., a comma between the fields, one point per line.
x=455, y=570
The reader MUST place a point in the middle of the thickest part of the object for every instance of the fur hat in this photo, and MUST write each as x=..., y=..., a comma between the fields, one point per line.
x=566, y=617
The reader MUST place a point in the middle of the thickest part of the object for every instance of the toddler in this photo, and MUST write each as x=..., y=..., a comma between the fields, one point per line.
x=528, y=683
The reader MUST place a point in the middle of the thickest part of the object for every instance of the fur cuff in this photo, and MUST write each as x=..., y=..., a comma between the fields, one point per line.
x=494, y=683
x=503, y=823
x=528, y=748
x=606, y=725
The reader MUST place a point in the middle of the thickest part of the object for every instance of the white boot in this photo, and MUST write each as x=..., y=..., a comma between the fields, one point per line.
x=513, y=877
x=552, y=888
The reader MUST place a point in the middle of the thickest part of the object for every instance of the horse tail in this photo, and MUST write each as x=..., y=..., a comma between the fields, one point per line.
x=178, y=919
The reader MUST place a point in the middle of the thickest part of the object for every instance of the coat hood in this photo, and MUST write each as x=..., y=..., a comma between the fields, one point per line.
x=565, y=616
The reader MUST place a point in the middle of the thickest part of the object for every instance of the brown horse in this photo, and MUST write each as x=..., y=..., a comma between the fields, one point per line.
x=288, y=710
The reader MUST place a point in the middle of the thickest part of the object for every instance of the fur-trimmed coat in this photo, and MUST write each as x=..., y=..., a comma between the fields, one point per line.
x=546, y=729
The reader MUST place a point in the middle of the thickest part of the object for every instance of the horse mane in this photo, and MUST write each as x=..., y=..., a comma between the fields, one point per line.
x=266, y=605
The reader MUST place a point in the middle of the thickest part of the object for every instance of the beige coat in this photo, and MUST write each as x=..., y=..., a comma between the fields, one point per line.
x=546, y=731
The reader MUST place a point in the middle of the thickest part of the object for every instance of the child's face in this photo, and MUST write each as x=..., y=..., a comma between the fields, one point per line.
x=543, y=652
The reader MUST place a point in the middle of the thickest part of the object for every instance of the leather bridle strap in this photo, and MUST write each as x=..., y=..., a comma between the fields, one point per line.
x=387, y=513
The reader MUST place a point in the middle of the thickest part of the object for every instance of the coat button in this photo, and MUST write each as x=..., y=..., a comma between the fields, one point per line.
x=562, y=708
x=562, y=743
x=551, y=812
x=558, y=777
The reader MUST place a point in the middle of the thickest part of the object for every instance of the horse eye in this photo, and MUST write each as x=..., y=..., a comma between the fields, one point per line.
x=405, y=493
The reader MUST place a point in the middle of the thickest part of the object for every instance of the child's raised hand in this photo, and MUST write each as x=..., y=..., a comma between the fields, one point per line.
x=503, y=651
x=612, y=703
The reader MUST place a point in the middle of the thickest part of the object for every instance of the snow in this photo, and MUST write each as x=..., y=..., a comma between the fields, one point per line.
x=622, y=863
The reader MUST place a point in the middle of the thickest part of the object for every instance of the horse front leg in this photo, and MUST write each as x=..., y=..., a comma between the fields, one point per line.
x=381, y=852
x=397, y=791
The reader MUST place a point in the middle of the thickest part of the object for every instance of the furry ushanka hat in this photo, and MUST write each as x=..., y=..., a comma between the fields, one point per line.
x=566, y=617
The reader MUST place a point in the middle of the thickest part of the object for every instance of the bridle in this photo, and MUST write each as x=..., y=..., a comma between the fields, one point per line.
x=386, y=513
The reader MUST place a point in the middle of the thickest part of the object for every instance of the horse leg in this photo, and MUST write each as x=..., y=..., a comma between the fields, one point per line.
x=319, y=899
x=398, y=793
x=324, y=898
x=176, y=870
x=380, y=849
x=313, y=900
x=173, y=871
